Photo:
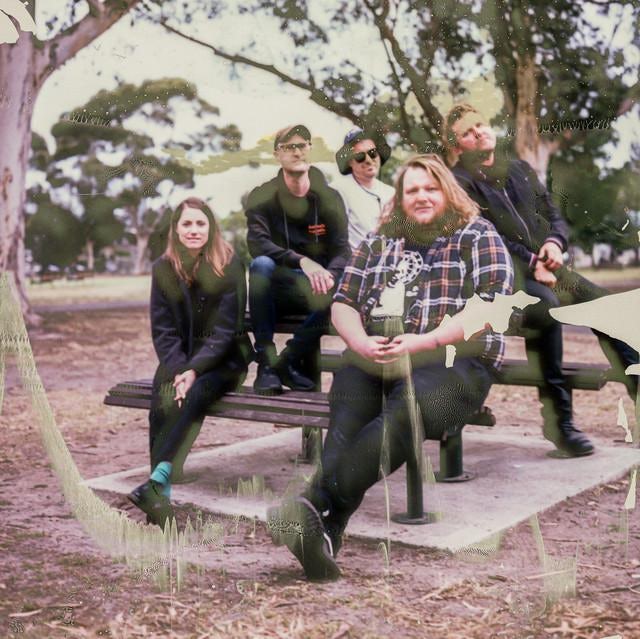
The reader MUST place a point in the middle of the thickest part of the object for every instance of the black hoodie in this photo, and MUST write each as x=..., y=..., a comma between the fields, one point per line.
x=281, y=229
x=513, y=199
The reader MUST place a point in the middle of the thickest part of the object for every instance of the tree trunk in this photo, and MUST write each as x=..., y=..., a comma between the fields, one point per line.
x=24, y=66
x=142, y=242
x=90, y=255
x=19, y=88
x=528, y=144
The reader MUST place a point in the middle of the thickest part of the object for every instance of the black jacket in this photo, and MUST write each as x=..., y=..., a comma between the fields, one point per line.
x=198, y=327
x=321, y=234
x=518, y=206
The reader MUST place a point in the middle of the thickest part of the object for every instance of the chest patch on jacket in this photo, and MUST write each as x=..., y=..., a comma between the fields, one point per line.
x=317, y=229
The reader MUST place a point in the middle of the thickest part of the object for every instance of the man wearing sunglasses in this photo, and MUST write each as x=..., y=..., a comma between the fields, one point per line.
x=359, y=160
x=297, y=235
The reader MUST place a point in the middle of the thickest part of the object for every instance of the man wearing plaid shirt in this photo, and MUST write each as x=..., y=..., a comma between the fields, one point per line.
x=432, y=253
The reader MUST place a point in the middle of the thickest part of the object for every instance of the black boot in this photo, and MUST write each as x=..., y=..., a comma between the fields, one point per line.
x=573, y=441
x=557, y=412
x=149, y=498
x=290, y=372
x=267, y=380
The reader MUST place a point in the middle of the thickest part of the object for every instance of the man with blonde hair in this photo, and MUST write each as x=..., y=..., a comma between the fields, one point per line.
x=432, y=252
x=511, y=196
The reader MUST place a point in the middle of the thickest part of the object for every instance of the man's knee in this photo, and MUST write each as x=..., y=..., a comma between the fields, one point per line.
x=262, y=265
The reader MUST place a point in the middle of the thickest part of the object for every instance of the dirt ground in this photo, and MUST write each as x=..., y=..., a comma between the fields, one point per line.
x=56, y=583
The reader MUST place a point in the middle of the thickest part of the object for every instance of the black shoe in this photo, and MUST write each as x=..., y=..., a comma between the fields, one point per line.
x=293, y=378
x=149, y=499
x=298, y=525
x=267, y=381
x=573, y=441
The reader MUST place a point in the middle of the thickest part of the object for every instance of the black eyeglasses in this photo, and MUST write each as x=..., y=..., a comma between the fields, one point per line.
x=300, y=146
x=360, y=157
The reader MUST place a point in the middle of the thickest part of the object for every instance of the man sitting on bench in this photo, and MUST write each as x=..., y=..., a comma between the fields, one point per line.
x=297, y=235
x=511, y=196
x=397, y=307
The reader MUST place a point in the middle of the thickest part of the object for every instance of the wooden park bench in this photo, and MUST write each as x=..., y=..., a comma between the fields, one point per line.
x=310, y=411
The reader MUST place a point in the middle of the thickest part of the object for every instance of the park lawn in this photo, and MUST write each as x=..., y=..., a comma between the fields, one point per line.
x=99, y=288
x=135, y=288
x=613, y=276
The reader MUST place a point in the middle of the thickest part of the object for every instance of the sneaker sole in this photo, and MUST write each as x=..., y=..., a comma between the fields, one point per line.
x=286, y=525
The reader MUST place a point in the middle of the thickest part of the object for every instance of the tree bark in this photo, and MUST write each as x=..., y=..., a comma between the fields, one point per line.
x=90, y=255
x=24, y=67
x=142, y=242
x=18, y=88
x=529, y=146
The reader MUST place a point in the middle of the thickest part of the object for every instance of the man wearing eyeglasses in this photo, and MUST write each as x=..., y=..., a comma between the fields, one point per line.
x=359, y=160
x=297, y=235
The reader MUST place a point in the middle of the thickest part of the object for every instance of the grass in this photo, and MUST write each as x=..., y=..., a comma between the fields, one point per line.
x=612, y=276
x=135, y=288
x=100, y=288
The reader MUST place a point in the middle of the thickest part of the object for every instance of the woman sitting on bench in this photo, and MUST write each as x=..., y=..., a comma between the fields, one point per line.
x=198, y=296
x=431, y=254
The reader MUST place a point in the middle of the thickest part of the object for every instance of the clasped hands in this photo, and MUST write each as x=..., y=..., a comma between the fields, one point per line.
x=182, y=382
x=549, y=261
x=320, y=279
x=384, y=350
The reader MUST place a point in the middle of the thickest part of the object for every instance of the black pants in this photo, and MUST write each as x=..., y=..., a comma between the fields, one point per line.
x=276, y=291
x=370, y=424
x=544, y=346
x=172, y=430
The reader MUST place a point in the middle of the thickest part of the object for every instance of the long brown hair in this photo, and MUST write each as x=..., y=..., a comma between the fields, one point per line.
x=217, y=252
x=461, y=209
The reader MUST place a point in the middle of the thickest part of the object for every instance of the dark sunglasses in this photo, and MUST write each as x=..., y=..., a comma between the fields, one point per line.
x=359, y=157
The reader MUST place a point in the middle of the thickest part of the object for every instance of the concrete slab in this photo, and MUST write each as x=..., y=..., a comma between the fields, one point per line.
x=515, y=479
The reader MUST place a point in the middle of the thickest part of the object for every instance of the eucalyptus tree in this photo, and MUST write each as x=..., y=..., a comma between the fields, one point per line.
x=26, y=62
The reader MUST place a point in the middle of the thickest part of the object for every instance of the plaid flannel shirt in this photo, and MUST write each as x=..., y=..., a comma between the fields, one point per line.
x=472, y=260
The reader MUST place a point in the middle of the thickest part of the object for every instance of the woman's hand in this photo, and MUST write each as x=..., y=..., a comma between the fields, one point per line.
x=371, y=347
x=182, y=383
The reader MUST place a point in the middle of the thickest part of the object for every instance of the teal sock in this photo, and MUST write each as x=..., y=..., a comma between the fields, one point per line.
x=162, y=475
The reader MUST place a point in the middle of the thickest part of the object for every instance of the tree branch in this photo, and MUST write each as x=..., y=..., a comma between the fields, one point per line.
x=317, y=95
x=417, y=84
x=66, y=44
x=628, y=102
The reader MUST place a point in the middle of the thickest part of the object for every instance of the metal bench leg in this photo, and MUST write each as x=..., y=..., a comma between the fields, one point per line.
x=451, y=469
x=415, y=503
x=311, y=451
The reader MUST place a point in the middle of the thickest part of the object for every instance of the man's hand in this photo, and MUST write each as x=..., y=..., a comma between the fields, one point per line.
x=543, y=275
x=551, y=254
x=321, y=280
x=182, y=383
x=406, y=344
x=371, y=347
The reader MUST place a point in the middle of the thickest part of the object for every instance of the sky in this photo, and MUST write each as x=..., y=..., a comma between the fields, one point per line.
x=256, y=102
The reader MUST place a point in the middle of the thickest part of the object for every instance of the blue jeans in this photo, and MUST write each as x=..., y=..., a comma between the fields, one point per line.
x=275, y=291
